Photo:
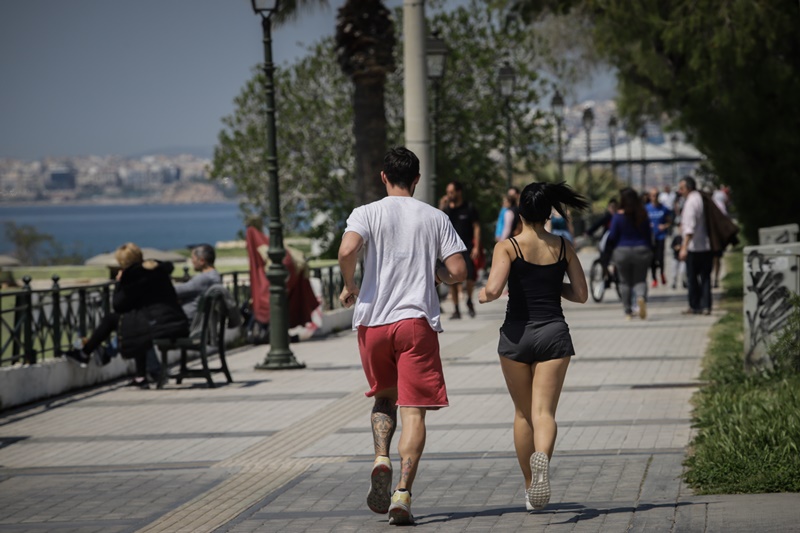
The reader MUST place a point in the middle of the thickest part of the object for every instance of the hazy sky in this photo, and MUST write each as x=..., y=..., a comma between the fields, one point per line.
x=81, y=77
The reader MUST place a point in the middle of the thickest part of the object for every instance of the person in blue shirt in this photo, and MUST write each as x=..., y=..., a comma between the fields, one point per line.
x=630, y=239
x=660, y=222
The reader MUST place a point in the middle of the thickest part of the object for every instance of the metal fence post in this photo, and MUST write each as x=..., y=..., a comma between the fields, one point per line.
x=55, y=316
x=27, y=328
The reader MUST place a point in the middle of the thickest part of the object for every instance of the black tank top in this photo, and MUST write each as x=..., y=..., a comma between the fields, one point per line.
x=534, y=291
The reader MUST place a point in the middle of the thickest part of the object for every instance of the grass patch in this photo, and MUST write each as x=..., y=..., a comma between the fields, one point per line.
x=748, y=425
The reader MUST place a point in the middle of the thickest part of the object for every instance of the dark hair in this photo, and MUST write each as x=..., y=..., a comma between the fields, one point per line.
x=539, y=199
x=613, y=201
x=631, y=205
x=206, y=253
x=457, y=185
x=690, y=183
x=401, y=167
x=512, y=200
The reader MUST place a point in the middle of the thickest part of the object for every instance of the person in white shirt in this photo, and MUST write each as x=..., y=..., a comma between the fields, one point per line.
x=397, y=318
x=696, y=248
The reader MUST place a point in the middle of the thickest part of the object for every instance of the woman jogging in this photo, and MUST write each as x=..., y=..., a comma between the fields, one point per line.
x=535, y=345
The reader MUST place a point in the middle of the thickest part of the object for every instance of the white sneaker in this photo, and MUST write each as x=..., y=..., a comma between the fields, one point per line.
x=528, y=504
x=379, y=496
x=538, y=493
x=400, y=510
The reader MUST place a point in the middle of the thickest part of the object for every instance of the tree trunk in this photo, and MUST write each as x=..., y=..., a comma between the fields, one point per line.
x=369, y=128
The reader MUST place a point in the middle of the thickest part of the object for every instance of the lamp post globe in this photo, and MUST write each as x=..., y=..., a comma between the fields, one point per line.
x=279, y=356
x=557, y=106
x=506, y=76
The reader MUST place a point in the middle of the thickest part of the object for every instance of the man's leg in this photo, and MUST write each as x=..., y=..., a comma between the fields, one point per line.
x=691, y=280
x=412, y=442
x=470, y=305
x=384, y=422
x=705, y=266
x=454, y=290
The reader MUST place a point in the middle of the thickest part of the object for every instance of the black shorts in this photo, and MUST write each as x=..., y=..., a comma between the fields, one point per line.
x=530, y=342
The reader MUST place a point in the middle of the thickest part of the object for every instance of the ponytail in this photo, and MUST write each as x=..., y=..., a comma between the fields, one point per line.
x=539, y=199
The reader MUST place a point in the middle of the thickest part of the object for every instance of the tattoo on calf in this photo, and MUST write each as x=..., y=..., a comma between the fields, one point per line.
x=406, y=469
x=384, y=421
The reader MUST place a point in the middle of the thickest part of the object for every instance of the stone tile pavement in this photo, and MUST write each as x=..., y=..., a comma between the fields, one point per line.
x=291, y=450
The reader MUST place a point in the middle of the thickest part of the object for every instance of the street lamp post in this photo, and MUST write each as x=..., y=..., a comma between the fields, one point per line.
x=613, y=125
x=643, y=135
x=436, y=57
x=673, y=139
x=507, y=76
x=279, y=356
x=588, y=124
x=630, y=159
x=557, y=105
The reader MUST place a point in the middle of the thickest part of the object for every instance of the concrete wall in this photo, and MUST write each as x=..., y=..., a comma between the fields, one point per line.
x=24, y=384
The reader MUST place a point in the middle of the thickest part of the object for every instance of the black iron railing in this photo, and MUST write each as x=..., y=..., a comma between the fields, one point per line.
x=36, y=324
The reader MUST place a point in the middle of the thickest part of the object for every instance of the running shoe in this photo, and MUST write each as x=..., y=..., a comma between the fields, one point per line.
x=654, y=284
x=528, y=504
x=471, y=308
x=663, y=279
x=456, y=315
x=379, y=496
x=400, y=510
x=539, y=491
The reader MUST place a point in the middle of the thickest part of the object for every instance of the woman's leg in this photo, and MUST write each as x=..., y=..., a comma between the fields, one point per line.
x=102, y=332
x=548, y=378
x=642, y=258
x=622, y=258
x=519, y=380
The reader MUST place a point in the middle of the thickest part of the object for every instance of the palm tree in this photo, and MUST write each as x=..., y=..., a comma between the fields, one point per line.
x=365, y=43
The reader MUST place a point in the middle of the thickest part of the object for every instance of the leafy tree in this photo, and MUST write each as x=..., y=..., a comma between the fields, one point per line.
x=317, y=164
x=27, y=241
x=726, y=72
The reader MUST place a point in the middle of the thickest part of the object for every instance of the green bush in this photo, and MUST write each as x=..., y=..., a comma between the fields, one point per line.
x=748, y=426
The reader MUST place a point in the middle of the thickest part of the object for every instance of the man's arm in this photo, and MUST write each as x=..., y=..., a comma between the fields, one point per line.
x=476, y=236
x=189, y=289
x=454, y=270
x=348, y=258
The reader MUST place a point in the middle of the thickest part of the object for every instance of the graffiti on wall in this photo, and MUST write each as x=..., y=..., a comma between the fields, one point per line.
x=772, y=308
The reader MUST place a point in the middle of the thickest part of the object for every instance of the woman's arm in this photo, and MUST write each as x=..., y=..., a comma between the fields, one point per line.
x=576, y=290
x=501, y=266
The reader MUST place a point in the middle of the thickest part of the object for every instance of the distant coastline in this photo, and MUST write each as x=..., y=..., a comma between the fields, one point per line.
x=113, y=202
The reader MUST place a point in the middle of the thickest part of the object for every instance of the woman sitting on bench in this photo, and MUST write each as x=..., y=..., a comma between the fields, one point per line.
x=145, y=308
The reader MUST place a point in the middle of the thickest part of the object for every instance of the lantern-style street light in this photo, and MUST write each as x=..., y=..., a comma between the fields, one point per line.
x=507, y=77
x=279, y=355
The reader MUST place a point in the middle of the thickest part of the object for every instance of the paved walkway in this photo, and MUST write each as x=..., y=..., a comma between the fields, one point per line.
x=291, y=450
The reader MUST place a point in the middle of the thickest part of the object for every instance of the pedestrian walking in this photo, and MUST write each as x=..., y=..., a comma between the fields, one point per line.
x=466, y=221
x=660, y=220
x=535, y=346
x=397, y=318
x=630, y=240
x=695, y=248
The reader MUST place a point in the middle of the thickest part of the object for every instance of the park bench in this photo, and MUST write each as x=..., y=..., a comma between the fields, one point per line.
x=207, y=337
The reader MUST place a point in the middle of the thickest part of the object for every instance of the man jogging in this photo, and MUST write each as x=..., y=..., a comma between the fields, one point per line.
x=397, y=318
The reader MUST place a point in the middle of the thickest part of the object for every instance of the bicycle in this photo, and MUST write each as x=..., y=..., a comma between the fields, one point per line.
x=601, y=278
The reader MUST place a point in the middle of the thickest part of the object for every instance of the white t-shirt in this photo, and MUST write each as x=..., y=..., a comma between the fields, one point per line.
x=403, y=238
x=693, y=221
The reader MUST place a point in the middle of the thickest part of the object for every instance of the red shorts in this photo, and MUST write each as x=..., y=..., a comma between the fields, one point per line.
x=405, y=355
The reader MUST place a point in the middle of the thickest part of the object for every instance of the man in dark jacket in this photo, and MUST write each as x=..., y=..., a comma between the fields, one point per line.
x=145, y=308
